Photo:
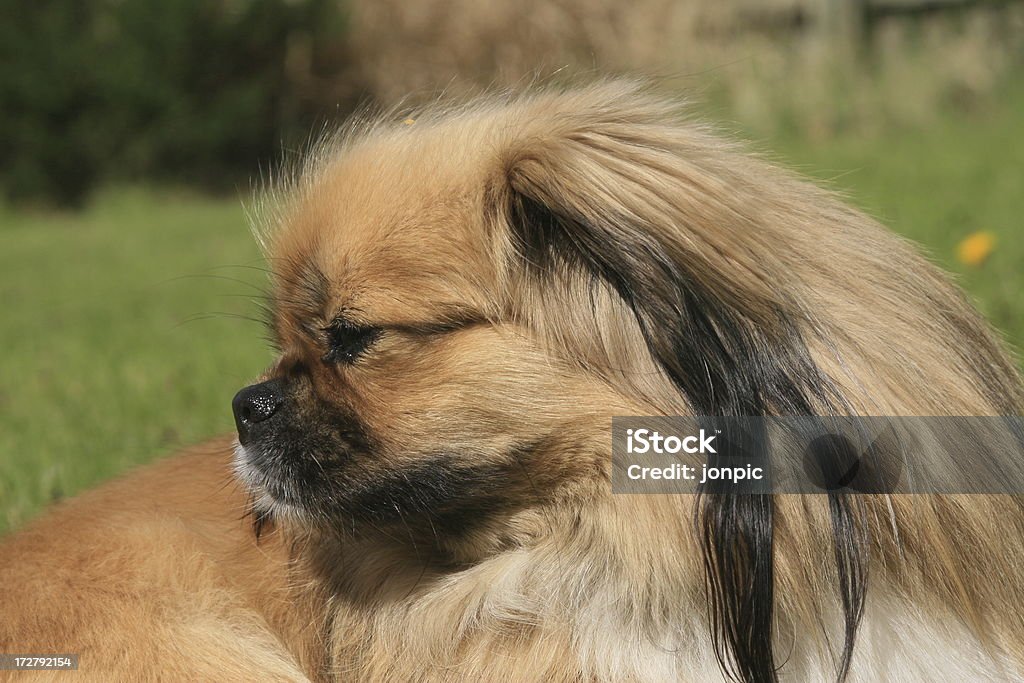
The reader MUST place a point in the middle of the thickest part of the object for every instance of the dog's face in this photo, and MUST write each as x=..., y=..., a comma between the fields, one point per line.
x=409, y=389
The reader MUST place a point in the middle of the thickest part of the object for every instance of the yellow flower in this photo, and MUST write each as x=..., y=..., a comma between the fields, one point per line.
x=409, y=122
x=975, y=248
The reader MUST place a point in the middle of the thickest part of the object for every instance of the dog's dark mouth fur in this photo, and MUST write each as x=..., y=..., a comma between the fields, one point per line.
x=438, y=500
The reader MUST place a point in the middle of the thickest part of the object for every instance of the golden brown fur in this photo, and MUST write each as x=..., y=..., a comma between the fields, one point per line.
x=532, y=267
x=155, y=576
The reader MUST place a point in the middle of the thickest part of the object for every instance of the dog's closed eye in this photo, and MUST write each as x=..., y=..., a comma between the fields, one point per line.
x=347, y=341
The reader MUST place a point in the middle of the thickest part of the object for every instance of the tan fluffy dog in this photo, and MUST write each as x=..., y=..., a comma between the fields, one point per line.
x=461, y=304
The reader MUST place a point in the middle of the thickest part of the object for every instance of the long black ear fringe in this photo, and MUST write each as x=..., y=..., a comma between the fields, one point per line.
x=726, y=365
x=850, y=536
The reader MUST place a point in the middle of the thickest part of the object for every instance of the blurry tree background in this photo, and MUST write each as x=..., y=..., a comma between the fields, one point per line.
x=190, y=91
x=204, y=91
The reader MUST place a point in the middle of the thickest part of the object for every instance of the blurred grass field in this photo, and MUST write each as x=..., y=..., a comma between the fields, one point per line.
x=126, y=331
x=120, y=337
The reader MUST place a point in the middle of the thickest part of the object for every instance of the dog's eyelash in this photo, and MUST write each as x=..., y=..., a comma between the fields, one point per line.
x=348, y=341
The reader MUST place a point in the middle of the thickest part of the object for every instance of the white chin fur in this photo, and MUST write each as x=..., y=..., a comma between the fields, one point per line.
x=253, y=480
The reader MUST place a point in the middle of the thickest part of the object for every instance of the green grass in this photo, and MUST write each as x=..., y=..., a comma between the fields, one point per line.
x=936, y=186
x=114, y=352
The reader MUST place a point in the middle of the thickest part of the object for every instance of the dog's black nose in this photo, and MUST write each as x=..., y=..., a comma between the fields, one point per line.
x=253, y=405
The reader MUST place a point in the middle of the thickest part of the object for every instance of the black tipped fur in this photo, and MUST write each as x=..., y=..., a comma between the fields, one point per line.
x=726, y=364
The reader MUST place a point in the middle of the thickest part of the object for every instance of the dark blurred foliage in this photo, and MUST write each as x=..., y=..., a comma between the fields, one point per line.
x=199, y=91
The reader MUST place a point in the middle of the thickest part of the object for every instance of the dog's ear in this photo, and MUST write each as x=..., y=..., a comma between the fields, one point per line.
x=627, y=195
x=614, y=188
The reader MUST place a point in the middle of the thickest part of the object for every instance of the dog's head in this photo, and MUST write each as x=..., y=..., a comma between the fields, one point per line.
x=411, y=391
x=462, y=302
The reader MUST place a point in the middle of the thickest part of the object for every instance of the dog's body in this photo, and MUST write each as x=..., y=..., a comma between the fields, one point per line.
x=462, y=304
x=155, y=576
